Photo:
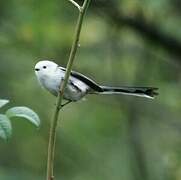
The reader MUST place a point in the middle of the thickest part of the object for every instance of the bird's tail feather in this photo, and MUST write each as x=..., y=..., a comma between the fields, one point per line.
x=148, y=92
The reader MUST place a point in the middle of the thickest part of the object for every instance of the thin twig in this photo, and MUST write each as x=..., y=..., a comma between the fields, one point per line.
x=52, y=136
x=75, y=4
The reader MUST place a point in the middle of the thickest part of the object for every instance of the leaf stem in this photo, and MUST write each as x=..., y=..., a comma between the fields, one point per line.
x=75, y=4
x=52, y=135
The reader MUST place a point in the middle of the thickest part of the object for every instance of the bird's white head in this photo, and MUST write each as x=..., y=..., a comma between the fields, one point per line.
x=45, y=67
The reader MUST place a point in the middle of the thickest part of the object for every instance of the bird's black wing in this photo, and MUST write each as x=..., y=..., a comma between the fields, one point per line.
x=93, y=85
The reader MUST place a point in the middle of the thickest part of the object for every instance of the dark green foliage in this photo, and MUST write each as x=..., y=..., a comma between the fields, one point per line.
x=104, y=137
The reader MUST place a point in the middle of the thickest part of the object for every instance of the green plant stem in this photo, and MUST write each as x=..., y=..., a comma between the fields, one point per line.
x=52, y=135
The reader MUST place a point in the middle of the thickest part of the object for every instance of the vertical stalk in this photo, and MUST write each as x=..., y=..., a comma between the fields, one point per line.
x=52, y=135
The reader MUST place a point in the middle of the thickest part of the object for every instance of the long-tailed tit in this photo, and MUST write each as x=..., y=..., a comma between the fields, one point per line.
x=50, y=76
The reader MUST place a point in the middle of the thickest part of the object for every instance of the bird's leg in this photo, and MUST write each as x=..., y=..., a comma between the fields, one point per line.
x=66, y=103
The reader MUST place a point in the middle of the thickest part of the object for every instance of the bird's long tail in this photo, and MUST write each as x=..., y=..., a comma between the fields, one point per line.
x=148, y=92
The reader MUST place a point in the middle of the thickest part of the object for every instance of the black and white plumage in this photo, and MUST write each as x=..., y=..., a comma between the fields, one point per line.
x=50, y=76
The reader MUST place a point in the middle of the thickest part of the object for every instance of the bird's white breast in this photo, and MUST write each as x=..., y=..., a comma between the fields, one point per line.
x=51, y=81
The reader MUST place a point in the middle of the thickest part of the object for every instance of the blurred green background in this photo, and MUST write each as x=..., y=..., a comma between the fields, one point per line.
x=105, y=137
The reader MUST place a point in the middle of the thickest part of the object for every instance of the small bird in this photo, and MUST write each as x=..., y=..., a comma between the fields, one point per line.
x=50, y=76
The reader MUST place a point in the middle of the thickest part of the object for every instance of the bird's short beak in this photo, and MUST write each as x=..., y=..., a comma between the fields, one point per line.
x=37, y=69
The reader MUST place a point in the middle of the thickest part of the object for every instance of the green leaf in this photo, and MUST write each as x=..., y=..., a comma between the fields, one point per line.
x=24, y=112
x=5, y=127
x=3, y=102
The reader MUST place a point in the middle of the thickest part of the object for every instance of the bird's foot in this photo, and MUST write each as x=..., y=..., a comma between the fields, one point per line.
x=66, y=103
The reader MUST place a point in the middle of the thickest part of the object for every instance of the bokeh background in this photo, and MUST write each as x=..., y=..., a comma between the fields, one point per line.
x=104, y=137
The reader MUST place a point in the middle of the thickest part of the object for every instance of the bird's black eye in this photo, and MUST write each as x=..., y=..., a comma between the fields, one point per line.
x=44, y=67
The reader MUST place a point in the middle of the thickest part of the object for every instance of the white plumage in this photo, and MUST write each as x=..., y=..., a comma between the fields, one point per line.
x=50, y=76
